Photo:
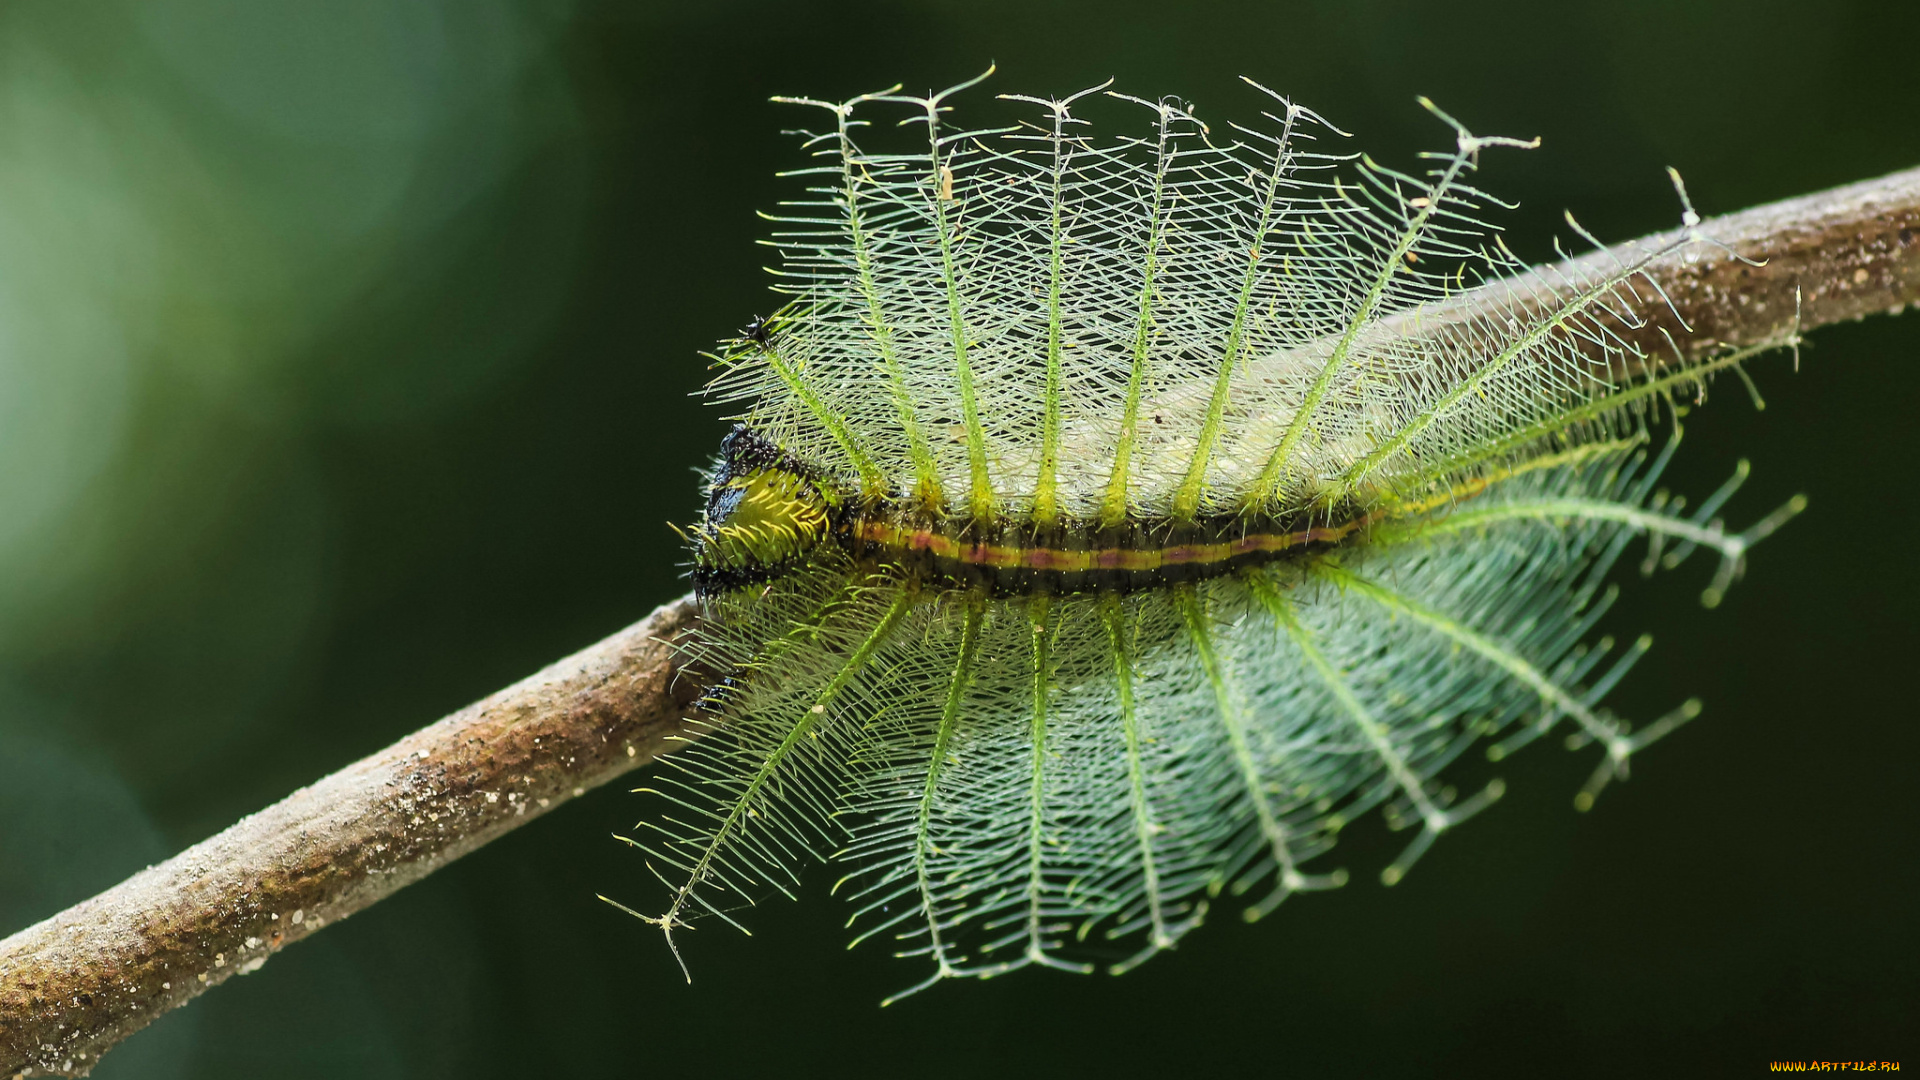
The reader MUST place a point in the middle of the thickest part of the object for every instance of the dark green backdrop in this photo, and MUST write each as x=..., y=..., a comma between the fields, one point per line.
x=344, y=360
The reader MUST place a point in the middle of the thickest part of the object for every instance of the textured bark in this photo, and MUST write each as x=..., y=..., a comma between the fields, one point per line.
x=73, y=986
x=76, y=984
x=1753, y=278
x=1842, y=254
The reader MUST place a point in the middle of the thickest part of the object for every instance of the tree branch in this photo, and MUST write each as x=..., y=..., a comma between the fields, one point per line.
x=73, y=986
x=76, y=984
x=1768, y=273
x=1837, y=255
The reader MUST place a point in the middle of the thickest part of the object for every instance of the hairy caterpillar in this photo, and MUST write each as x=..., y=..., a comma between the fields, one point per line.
x=1099, y=535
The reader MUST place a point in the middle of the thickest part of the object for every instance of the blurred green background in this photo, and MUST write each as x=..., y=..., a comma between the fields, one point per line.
x=344, y=360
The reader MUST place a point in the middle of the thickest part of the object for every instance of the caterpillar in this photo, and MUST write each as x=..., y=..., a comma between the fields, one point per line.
x=1106, y=525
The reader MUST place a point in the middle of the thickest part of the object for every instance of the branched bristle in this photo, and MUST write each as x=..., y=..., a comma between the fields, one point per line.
x=1113, y=519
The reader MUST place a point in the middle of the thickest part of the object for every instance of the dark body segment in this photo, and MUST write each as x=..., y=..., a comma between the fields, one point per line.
x=1071, y=559
x=1013, y=559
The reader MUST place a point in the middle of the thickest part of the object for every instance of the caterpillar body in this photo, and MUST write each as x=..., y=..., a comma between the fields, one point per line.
x=1109, y=523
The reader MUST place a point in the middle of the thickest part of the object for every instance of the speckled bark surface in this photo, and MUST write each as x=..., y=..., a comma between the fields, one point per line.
x=1842, y=254
x=73, y=986
x=1756, y=277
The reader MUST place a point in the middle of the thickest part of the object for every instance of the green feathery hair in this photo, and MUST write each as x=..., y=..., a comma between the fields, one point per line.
x=1111, y=521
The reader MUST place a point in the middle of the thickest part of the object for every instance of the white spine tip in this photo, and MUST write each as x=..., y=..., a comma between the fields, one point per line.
x=1687, y=216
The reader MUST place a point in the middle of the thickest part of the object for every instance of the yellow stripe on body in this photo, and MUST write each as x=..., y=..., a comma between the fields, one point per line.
x=904, y=538
x=1013, y=556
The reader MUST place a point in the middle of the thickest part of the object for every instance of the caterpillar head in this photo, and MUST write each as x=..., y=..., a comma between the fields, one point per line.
x=765, y=511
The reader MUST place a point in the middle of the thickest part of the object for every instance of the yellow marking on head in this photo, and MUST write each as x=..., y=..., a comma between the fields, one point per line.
x=766, y=517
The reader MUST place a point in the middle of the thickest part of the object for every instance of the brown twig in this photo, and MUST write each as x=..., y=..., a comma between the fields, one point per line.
x=1757, y=277
x=73, y=986
x=76, y=984
x=1788, y=266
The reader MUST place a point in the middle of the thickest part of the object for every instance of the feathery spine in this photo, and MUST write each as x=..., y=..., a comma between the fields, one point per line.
x=1110, y=523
